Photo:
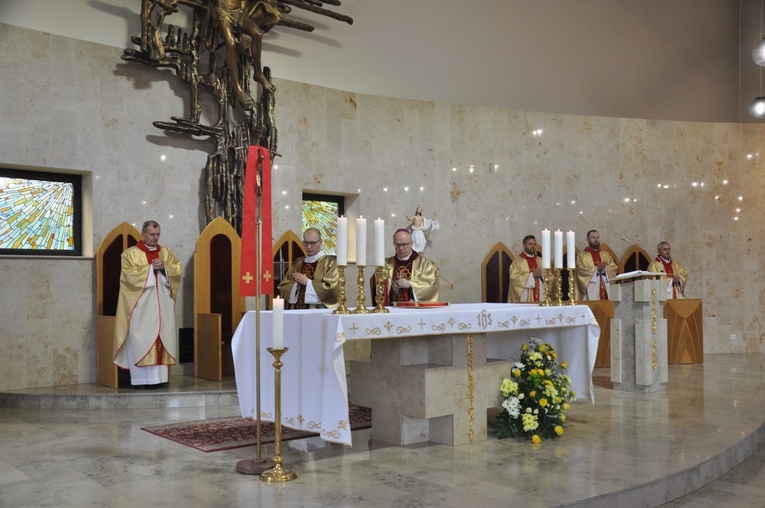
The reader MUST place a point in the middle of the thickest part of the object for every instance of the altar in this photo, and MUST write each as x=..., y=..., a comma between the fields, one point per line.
x=314, y=382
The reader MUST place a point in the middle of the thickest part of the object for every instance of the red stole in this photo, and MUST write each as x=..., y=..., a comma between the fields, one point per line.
x=308, y=269
x=667, y=266
x=532, y=261
x=596, y=260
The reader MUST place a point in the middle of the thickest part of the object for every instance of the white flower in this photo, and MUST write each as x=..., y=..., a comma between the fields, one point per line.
x=520, y=396
x=519, y=366
x=512, y=406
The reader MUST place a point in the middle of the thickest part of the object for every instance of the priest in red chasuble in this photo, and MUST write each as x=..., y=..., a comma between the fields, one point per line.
x=594, y=270
x=409, y=276
x=144, y=331
x=526, y=283
x=312, y=280
x=674, y=273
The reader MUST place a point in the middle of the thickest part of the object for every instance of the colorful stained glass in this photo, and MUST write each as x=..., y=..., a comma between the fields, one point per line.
x=36, y=214
x=322, y=215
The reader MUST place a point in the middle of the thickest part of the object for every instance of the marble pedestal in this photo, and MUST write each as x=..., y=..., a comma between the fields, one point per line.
x=419, y=388
x=639, y=337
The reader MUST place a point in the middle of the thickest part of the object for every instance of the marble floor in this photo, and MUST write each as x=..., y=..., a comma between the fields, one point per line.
x=83, y=446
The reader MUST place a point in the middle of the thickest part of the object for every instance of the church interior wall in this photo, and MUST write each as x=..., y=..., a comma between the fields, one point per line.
x=73, y=104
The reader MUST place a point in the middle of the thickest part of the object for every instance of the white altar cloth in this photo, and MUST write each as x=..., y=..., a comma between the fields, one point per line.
x=314, y=386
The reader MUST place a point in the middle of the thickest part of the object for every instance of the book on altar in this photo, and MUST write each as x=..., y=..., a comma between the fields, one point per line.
x=637, y=274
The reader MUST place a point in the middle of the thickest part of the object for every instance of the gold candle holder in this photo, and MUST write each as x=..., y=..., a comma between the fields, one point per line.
x=546, y=280
x=341, y=308
x=361, y=308
x=277, y=473
x=380, y=289
x=571, y=282
x=558, y=286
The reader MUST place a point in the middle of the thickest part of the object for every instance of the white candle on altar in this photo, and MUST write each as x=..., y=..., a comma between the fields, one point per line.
x=361, y=241
x=277, y=325
x=342, y=241
x=559, y=249
x=379, y=242
x=546, y=249
x=571, y=250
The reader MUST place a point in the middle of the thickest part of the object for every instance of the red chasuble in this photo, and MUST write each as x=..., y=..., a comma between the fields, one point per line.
x=402, y=270
x=308, y=269
x=667, y=266
x=532, y=261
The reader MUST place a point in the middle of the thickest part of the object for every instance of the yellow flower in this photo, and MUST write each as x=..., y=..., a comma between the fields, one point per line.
x=517, y=372
x=543, y=402
x=533, y=393
x=536, y=439
x=559, y=430
x=565, y=406
x=563, y=418
x=542, y=348
x=564, y=365
x=524, y=347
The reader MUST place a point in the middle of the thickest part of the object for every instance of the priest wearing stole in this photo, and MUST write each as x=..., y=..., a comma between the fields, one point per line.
x=144, y=330
x=409, y=276
x=526, y=284
x=594, y=270
x=674, y=273
x=312, y=280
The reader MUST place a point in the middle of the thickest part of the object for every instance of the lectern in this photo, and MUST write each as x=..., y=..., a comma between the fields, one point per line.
x=638, y=334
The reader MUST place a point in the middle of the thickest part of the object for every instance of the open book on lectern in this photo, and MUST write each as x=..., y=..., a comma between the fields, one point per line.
x=637, y=274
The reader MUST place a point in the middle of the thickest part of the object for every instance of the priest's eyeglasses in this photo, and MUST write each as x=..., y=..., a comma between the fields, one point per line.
x=311, y=244
x=401, y=245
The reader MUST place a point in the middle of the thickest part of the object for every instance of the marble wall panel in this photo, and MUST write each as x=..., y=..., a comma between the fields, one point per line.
x=75, y=105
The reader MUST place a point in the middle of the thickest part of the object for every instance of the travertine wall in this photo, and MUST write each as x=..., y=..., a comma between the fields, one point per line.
x=69, y=104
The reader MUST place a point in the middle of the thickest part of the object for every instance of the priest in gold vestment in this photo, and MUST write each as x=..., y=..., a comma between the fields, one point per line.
x=144, y=331
x=674, y=273
x=594, y=270
x=312, y=280
x=526, y=275
x=409, y=276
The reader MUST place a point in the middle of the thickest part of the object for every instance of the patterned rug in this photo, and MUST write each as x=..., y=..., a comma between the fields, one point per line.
x=235, y=432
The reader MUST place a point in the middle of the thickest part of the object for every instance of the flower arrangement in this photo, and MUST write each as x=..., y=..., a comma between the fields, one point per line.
x=536, y=395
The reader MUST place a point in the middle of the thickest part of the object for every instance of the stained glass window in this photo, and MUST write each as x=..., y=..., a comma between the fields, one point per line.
x=321, y=212
x=39, y=213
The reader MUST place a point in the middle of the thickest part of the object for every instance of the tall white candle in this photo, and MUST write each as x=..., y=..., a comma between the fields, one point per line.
x=277, y=325
x=379, y=242
x=559, y=249
x=361, y=241
x=546, y=250
x=570, y=249
x=342, y=241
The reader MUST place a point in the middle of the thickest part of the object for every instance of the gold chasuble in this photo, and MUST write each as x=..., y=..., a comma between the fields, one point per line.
x=421, y=273
x=591, y=284
x=524, y=287
x=324, y=280
x=145, y=320
x=670, y=268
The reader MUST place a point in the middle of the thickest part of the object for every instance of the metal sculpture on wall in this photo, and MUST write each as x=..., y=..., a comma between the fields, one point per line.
x=217, y=55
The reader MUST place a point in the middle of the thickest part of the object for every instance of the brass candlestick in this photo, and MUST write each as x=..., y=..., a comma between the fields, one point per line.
x=546, y=280
x=558, y=286
x=277, y=473
x=380, y=287
x=361, y=308
x=571, y=282
x=341, y=308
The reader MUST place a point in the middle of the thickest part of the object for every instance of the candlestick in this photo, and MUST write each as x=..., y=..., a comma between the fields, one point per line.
x=277, y=474
x=341, y=308
x=361, y=241
x=546, y=281
x=570, y=250
x=546, y=249
x=277, y=325
x=571, y=299
x=362, y=298
x=380, y=275
x=558, y=249
x=342, y=241
x=379, y=242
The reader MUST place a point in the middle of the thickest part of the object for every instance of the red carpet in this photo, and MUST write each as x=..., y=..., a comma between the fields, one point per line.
x=235, y=432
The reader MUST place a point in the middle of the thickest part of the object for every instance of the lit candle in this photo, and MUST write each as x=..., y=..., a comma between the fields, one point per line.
x=571, y=250
x=342, y=241
x=379, y=242
x=277, y=325
x=546, y=249
x=559, y=249
x=361, y=241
